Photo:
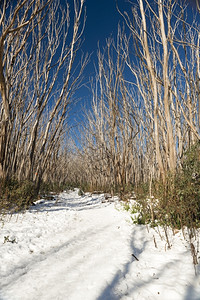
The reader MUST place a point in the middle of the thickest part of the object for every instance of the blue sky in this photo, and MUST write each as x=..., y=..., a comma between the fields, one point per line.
x=102, y=22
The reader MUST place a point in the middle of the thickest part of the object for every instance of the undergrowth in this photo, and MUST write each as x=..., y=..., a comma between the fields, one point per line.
x=19, y=195
x=175, y=204
x=15, y=195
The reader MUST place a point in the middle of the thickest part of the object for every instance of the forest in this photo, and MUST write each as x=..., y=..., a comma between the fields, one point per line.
x=141, y=134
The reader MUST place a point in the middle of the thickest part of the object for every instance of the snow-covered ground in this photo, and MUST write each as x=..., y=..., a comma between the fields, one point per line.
x=78, y=248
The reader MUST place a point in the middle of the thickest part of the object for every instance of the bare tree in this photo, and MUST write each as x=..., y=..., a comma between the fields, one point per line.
x=140, y=125
x=112, y=125
x=14, y=33
x=38, y=48
x=162, y=48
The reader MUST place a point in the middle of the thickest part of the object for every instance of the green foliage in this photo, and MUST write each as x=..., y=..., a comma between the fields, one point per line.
x=47, y=187
x=139, y=214
x=142, y=191
x=139, y=219
x=17, y=195
x=54, y=187
x=25, y=193
x=178, y=202
x=186, y=190
x=181, y=195
x=126, y=206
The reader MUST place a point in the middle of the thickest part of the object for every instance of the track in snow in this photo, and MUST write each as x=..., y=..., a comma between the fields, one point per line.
x=75, y=248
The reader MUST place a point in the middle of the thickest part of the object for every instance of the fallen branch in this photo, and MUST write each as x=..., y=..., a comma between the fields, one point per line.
x=135, y=257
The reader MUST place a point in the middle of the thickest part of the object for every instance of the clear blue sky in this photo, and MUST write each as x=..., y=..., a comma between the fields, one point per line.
x=101, y=22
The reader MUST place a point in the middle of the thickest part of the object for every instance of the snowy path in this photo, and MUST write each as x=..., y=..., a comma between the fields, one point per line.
x=78, y=248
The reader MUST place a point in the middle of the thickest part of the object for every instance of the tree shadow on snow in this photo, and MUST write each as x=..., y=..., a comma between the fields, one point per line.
x=191, y=292
x=119, y=287
x=74, y=204
x=71, y=245
x=111, y=291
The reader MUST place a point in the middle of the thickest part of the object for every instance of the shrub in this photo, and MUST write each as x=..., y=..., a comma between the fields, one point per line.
x=184, y=195
x=24, y=194
x=17, y=195
x=178, y=203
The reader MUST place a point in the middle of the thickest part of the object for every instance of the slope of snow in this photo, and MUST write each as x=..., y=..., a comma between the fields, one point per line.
x=75, y=248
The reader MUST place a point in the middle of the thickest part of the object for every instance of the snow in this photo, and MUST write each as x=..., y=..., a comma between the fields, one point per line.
x=76, y=247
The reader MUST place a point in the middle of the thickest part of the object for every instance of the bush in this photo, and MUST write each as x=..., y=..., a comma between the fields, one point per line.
x=24, y=194
x=178, y=200
x=48, y=187
x=186, y=190
x=17, y=195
